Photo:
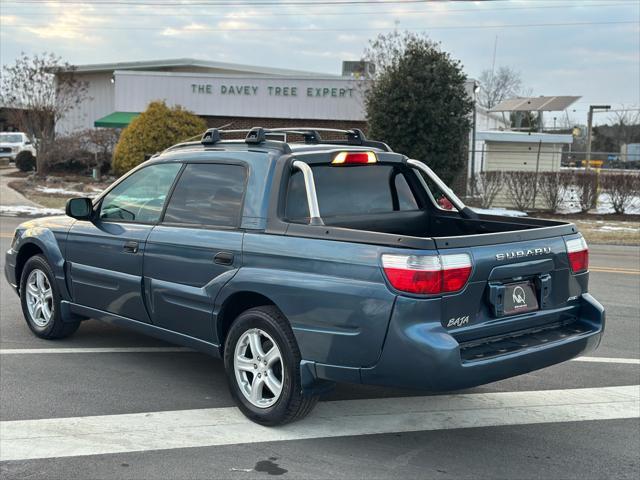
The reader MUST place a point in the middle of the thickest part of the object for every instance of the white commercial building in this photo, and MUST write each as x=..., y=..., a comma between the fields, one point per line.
x=223, y=93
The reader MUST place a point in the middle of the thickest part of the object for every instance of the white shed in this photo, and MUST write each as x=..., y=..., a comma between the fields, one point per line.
x=511, y=151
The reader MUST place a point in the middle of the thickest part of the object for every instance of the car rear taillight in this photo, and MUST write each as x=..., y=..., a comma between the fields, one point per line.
x=427, y=274
x=354, y=158
x=578, y=253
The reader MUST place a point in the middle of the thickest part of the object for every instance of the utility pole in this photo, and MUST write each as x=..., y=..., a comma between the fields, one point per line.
x=476, y=89
x=592, y=108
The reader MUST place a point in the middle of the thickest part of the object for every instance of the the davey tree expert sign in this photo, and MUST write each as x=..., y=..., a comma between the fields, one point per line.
x=274, y=91
x=308, y=98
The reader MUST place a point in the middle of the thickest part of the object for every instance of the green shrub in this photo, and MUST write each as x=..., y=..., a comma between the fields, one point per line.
x=25, y=161
x=155, y=129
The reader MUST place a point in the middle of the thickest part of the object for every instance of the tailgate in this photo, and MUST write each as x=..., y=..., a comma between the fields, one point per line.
x=514, y=286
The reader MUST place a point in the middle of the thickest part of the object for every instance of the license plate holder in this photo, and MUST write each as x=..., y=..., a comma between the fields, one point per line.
x=520, y=297
x=517, y=297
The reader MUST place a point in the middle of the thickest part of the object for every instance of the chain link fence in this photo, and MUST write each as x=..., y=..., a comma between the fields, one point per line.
x=557, y=182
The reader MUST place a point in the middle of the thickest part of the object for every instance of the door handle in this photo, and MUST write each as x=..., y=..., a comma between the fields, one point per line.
x=131, y=247
x=223, y=258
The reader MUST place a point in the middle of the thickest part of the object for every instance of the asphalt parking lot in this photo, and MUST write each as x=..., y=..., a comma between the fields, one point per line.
x=109, y=403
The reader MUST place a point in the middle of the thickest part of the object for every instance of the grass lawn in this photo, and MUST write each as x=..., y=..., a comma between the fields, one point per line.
x=49, y=201
x=610, y=232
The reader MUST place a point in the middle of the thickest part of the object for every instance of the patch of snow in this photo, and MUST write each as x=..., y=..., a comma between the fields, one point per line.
x=499, y=211
x=571, y=204
x=63, y=191
x=25, y=210
x=618, y=229
x=605, y=206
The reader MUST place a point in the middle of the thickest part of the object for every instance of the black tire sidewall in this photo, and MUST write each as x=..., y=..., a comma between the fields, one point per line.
x=40, y=263
x=258, y=318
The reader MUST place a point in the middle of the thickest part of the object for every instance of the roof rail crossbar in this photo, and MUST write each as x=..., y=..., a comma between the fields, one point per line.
x=356, y=137
x=210, y=137
x=256, y=135
x=311, y=135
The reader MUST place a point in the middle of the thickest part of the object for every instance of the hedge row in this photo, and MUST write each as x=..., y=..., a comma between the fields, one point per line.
x=527, y=190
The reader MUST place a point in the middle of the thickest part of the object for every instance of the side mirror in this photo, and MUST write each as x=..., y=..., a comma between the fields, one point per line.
x=28, y=142
x=79, y=208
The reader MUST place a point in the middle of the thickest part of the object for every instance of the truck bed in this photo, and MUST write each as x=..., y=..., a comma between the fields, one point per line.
x=422, y=229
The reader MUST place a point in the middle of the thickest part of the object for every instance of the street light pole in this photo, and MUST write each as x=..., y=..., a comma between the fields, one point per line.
x=592, y=108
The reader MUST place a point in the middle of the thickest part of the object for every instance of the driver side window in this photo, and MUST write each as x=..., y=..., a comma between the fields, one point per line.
x=140, y=197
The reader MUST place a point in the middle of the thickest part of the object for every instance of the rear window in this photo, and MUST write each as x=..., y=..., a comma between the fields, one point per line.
x=352, y=190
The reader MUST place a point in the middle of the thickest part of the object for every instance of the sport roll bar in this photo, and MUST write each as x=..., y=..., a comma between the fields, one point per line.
x=465, y=211
x=312, y=197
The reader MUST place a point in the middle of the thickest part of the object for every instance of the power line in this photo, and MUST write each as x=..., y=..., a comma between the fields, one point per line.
x=340, y=13
x=351, y=29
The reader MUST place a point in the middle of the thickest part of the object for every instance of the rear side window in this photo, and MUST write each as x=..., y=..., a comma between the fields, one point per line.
x=353, y=190
x=208, y=194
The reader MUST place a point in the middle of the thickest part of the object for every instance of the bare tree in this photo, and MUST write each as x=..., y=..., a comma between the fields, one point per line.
x=498, y=86
x=552, y=186
x=102, y=142
x=625, y=116
x=587, y=188
x=622, y=189
x=486, y=185
x=38, y=91
x=521, y=187
x=625, y=125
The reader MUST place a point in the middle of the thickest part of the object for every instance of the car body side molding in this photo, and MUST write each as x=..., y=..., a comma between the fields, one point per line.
x=145, y=328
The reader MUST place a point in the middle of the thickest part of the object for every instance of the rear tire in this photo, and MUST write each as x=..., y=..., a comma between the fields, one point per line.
x=265, y=383
x=40, y=301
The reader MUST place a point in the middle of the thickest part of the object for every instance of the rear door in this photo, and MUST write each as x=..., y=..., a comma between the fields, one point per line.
x=105, y=254
x=196, y=248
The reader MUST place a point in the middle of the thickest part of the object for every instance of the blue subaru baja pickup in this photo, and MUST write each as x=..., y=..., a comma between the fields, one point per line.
x=305, y=264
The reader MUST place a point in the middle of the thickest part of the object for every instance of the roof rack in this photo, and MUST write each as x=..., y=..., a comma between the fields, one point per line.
x=311, y=136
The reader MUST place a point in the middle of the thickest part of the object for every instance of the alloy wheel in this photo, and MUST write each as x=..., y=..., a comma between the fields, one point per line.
x=258, y=367
x=39, y=298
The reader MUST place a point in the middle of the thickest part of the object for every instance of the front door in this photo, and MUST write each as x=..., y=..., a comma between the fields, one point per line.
x=105, y=254
x=196, y=249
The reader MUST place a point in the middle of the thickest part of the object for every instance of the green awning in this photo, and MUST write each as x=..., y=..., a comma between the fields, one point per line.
x=116, y=120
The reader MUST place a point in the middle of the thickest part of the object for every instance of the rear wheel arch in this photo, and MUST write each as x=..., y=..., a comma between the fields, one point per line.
x=233, y=306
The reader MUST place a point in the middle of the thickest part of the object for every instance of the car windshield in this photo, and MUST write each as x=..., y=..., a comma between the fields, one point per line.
x=10, y=138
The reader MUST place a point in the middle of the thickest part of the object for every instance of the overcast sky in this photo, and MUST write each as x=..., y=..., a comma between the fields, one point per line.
x=561, y=47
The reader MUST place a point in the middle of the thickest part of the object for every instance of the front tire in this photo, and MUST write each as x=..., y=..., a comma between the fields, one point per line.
x=40, y=300
x=262, y=362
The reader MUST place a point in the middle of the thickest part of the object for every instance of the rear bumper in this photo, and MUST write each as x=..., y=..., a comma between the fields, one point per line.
x=424, y=355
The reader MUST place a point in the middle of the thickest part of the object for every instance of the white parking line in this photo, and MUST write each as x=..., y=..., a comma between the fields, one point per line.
x=629, y=361
x=97, y=435
x=40, y=351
